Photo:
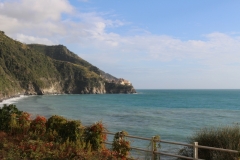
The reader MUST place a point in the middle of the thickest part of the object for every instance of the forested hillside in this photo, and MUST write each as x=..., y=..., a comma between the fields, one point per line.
x=41, y=69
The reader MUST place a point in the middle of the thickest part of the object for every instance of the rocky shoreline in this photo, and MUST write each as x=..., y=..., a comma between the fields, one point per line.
x=108, y=91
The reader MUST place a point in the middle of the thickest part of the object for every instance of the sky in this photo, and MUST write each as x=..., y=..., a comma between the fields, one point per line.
x=155, y=44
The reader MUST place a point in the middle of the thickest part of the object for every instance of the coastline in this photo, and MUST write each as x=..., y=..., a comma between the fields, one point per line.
x=12, y=99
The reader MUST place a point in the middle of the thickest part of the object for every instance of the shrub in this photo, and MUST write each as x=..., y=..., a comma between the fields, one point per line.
x=55, y=123
x=55, y=138
x=60, y=129
x=7, y=113
x=53, y=127
x=222, y=137
x=71, y=130
x=38, y=149
x=38, y=125
x=24, y=122
x=95, y=136
x=121, y=146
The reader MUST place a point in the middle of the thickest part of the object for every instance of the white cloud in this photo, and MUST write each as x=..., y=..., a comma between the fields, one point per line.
x=9, y=25
x=1, y=5
x=35, y=18
x=31, y=39
x=218, y=47
x=36, y=11
x=42, y=21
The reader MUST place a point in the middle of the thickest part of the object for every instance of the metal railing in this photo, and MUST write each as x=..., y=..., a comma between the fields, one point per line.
x=154, y=151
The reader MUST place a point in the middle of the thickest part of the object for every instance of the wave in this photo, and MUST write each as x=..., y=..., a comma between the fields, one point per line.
x=12, y=100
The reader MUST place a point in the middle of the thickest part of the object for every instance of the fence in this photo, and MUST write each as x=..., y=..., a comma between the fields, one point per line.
x=154, y=151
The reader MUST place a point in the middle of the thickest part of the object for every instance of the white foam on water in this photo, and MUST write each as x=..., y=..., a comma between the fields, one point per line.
x=12, y=100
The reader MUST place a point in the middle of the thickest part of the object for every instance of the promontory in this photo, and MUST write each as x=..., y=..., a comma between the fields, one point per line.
x=36, y=69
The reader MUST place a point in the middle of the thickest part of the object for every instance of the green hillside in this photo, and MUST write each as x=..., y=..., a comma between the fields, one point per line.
x=60, y=52
x=41, y=69
x=20, y=66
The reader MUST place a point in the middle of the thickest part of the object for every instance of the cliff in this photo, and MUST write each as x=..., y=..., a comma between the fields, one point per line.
x=39, y=69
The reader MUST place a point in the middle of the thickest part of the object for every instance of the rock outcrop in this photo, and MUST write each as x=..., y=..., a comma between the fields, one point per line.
x=118, y=88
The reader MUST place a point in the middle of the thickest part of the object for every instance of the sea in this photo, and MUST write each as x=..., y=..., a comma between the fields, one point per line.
x=174, y=115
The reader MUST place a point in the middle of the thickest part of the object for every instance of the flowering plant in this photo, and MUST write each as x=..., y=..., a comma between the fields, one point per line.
x=95, y=135
x=121, y=145
x=38, y=125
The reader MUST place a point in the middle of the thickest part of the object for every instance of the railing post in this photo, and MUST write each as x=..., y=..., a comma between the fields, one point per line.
x=195, y=150
x=154, y=148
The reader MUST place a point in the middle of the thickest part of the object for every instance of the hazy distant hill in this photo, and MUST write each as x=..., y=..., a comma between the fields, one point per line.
x=41, y=69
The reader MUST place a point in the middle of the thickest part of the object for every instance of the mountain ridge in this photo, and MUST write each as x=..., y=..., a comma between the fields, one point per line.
x=60, y=52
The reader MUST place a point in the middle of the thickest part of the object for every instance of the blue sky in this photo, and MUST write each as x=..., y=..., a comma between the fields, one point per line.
x=190, y=44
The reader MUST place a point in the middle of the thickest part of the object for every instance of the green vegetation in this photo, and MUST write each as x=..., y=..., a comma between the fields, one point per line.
x=61, y=53
x=25, y=66
x=222, y=137
x=22, y=137
x=121, y=145
x=55, y=138
x=41, y=69
x=6, y=113
x=20, y=67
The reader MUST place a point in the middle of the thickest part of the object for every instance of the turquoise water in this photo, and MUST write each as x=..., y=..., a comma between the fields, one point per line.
x=172, y=114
